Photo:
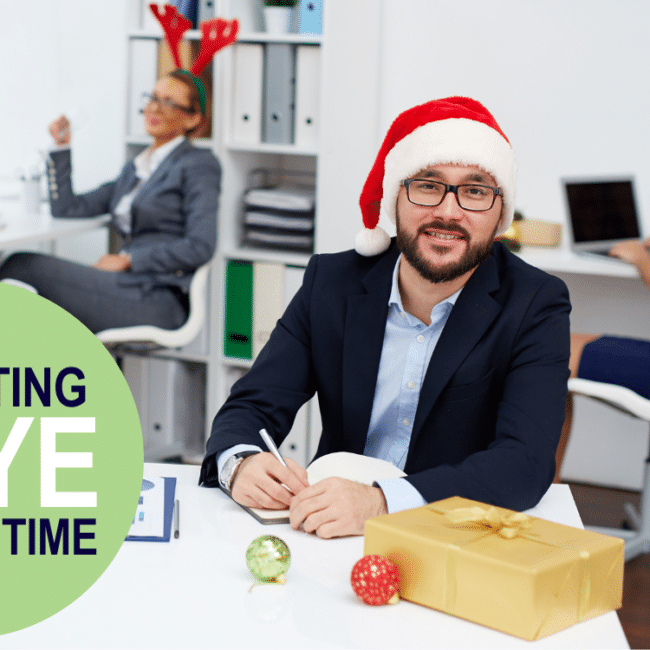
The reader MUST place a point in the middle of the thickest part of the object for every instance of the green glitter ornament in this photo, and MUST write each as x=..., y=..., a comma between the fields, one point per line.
x=268, y=558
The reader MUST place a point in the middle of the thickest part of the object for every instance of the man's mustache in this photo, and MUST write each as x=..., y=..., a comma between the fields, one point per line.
x=441, y=225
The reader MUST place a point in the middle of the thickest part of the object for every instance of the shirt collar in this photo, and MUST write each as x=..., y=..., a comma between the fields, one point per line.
x=396, y=300
x=147, y=161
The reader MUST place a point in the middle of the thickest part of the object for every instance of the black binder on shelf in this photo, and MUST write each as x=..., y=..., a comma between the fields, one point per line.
x=279, y=82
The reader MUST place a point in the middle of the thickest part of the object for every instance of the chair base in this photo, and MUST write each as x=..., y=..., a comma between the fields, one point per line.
x=632, y=515
x=637, y=541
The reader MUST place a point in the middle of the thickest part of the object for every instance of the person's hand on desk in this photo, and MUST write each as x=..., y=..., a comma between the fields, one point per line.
x=633, y=251
x=336, y=507
x=260, y=479
x=60, y=130
x=113, y=262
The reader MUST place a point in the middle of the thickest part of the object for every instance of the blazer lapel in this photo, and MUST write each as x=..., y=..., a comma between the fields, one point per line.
x=161, y=171
x=363, y=340
x=472, y=315
x=125, y=184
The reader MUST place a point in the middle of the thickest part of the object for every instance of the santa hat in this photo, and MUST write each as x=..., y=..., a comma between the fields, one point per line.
x=454, y=130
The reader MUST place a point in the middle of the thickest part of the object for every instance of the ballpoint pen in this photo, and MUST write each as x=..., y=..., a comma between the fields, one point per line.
x=272, y=446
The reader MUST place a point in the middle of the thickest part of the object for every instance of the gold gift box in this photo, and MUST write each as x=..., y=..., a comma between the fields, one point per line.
x=522, y=575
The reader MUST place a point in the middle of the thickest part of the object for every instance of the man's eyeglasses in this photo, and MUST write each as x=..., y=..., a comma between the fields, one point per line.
x=476, y=198
x=165, y=105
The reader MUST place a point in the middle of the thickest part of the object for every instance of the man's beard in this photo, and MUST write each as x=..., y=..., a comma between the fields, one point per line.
x=474, y=254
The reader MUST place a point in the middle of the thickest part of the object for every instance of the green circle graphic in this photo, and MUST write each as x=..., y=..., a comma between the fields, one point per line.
x=71, y=459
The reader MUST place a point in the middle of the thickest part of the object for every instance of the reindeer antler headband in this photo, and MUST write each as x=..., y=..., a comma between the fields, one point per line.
x=215, y=35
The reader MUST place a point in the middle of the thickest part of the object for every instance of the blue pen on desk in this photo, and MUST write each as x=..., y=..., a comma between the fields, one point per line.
x=272, y=446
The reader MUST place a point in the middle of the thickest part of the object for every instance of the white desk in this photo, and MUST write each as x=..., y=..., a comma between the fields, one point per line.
x=18, y=229
x=193, y=592
x=560, y=260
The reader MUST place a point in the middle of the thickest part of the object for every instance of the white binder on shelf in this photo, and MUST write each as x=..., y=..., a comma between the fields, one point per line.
x=142, y=78
x=293, y=276
x=268, y=301
x=307, y=98
x=279, y=82
x=247, y=93
x=205, y=11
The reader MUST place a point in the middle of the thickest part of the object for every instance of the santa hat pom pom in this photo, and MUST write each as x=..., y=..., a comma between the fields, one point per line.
x=371, y=241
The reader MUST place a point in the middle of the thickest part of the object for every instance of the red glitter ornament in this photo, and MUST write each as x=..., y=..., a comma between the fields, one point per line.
x=375, y=580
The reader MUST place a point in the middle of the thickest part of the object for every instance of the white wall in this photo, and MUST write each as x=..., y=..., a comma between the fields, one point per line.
x=567, y=82
x=64, y=56
x=57, y=56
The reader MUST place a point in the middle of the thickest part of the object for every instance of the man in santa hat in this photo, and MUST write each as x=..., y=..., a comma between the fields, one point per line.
x=440, y=352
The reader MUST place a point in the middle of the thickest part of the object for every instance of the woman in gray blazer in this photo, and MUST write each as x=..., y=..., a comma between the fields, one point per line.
x=164, y=206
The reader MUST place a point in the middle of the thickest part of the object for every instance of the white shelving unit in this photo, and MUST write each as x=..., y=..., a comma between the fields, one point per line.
x=237, y=161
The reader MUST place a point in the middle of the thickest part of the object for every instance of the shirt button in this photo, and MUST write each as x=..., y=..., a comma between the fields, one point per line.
x=411, y=384
x=420, y=339
x=405, y=422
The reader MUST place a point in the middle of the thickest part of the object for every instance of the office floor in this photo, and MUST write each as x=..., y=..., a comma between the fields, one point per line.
x=604, y=507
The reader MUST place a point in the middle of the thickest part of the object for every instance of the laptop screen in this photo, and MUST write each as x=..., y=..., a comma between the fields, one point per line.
x=601, y=212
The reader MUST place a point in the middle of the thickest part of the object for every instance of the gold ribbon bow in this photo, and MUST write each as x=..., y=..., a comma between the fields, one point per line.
x=498, y=521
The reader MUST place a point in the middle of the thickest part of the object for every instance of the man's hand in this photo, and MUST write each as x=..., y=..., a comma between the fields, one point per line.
x=113, y=263
x=259, y=478
x=335, y=507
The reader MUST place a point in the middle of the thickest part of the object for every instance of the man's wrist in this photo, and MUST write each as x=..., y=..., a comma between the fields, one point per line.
x=382, y=505
x=235, y=472
x=232, y=466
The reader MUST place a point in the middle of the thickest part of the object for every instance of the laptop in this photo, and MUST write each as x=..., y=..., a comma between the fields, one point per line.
x=602, y=212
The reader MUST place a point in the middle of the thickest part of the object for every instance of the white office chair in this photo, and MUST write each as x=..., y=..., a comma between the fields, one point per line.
x=149, y=337
x=637, y=541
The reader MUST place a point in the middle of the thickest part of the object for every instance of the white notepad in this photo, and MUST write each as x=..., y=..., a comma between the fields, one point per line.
x=343, y=464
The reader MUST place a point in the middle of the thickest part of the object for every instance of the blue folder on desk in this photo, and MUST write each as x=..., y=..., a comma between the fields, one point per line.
x=170, y=493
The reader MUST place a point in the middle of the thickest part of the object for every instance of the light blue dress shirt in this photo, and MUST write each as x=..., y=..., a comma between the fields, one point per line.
x=405, y=355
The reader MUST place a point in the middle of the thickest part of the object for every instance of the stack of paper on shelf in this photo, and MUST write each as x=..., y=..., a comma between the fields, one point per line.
x=280, y=217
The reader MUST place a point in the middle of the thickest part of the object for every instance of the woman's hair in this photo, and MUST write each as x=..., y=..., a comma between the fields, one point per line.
x=193, y=96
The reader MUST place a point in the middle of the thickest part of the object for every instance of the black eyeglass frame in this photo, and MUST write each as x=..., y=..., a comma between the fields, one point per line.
x=148, y=98
x=496, y=191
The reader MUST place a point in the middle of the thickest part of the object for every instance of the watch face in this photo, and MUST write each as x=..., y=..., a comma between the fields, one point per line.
x=228, y=470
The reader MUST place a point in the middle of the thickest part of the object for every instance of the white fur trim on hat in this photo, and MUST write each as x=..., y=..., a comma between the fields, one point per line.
x=456, y=141
x=369, y=242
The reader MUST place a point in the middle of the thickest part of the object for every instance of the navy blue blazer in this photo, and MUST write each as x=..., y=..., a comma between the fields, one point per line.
x=174, y=214
x=492, y=402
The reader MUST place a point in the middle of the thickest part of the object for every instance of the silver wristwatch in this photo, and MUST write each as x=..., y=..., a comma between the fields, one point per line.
x=231, y=466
